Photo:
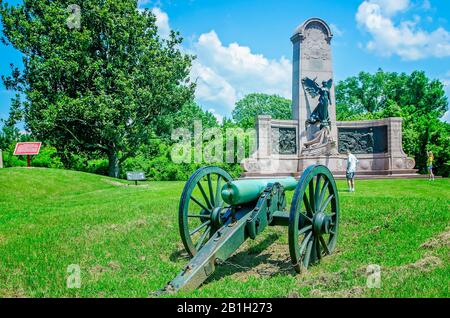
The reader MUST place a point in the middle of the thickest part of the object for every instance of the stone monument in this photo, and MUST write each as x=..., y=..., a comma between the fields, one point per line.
x=313, y=100
x=287, y=147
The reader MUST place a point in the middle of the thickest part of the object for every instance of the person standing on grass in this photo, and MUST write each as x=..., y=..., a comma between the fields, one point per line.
x=350, y=171
x=430, y=165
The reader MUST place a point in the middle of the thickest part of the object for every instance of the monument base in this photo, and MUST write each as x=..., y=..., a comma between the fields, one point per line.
x=383, y=138
x=369, y=167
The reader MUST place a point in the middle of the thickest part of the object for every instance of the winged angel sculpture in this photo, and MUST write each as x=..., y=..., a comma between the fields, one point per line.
x=320, y=114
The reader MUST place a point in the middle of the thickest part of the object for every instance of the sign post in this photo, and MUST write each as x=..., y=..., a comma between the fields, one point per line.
x=28, y=149
x=1, y=159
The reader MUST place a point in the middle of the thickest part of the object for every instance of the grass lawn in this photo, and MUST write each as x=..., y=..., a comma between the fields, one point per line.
x=125, y=240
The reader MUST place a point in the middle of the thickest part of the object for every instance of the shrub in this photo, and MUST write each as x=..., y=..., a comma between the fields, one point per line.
x=9, y=160
x=48, y=158
x=98, y=166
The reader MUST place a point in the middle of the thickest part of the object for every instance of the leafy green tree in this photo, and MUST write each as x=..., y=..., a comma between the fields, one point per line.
x=95, y=84
x=362, y=94
x=420, y=101
x=372, y=94
x=252, y=105
x=184, y=118
x=8, y=136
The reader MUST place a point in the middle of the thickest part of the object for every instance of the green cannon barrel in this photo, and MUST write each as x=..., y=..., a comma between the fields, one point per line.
x=244, y=191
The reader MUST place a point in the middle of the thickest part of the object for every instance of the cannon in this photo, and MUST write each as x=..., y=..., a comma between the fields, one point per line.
x=218, y=214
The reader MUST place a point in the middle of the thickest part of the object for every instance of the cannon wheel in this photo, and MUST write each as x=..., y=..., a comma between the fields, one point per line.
x=314, y=217
x=201, y=207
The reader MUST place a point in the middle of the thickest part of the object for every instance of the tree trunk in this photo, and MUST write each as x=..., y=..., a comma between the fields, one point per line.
x=113, y=164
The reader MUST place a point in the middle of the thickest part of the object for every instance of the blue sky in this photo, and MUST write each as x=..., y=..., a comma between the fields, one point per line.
x=243, y=46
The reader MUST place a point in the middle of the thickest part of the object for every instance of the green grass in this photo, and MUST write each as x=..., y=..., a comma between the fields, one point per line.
x=126, y=242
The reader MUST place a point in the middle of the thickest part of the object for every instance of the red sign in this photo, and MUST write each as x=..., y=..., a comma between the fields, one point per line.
x=27, y=148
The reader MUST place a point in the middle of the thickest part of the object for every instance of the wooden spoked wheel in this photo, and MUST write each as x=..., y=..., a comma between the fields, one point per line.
x=202, y=210
x=313, y=218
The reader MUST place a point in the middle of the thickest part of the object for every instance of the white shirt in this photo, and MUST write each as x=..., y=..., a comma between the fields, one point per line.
x=351, y=163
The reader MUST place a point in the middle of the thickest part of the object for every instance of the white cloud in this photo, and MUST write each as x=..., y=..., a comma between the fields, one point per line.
x=446, y=117
x=212, y=89
x=218, y=116
x=142, y=3
x=162, y=19
x=391, y=7
x=426, y=5
x=227, y=73
x=446, y=82
x=336, y=30
x=404, y=39
x=162, y=22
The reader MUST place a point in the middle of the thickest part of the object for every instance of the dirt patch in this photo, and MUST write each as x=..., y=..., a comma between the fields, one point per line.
x=322, y=283
x=262, y=258
x=293, y=294
x=98, y=270
x=353, y=292
x=2, y=240
x=115, y=183
x=104, y=229
x=114, y=265
x=379, y=228
x=325, y=279
x=442, y=239
x=129, y=225
x=317, y=293
x=16, y=293
x=272, y=261
x=122, y=184
x=425, y=264
x=362, y=270
x=263, y=265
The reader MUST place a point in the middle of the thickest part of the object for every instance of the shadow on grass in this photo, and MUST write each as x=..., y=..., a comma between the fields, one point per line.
x=179, y=255
x=266, y=259
x=256, y=260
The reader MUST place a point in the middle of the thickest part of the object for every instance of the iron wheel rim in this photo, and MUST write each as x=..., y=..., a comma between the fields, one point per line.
x=209, y=200
x=314, y=217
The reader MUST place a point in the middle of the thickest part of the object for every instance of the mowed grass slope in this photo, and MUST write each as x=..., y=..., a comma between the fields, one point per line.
x=125, y=240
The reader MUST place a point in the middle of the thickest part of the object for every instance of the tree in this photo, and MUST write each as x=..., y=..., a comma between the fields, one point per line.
x=184, y=118
x=8, y=136
x=419, y=100
x=98, y=84
x=371, y=94
x=252, y=105
x=364, y=93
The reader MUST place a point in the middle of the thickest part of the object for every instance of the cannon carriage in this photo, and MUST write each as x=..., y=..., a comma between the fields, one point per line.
x=218, y=214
